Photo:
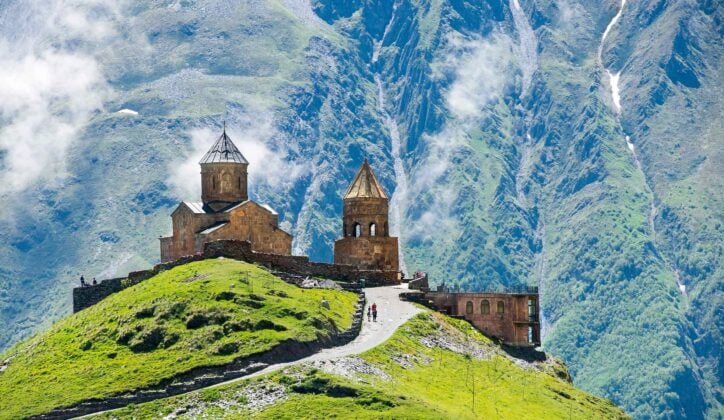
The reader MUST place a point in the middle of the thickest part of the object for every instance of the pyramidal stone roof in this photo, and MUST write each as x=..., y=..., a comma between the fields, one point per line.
x=365, y=185
x=224, y=151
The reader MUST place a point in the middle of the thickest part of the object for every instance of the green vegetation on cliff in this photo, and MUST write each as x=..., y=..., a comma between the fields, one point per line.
x=432, y=367
x=199, y=314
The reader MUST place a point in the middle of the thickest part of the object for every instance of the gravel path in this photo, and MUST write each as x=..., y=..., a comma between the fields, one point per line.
x=391, y=314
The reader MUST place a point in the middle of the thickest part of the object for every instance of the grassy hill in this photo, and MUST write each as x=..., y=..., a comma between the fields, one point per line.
x=200, y=314
x=432, y=367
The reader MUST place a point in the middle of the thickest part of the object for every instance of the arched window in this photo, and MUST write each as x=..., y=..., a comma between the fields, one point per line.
x=387, y=230
x=485, y=306
x=357, y=230
x=239, y=182
x=213, y=183
x=469, y=307
x=373, y=229
x=501, y=307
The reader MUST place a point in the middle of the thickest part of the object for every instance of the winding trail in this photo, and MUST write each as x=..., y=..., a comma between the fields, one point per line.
x=392, y=313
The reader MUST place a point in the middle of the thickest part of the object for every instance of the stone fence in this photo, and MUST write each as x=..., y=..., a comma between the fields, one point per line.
x=241, y=250
x=84, y=297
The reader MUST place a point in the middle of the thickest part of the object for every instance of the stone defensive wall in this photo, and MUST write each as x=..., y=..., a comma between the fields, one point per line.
x=84, y=297
x=241, y=250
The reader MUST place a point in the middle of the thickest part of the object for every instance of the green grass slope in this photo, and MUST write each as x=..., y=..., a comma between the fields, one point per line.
x=199, y=314
x=432, y=367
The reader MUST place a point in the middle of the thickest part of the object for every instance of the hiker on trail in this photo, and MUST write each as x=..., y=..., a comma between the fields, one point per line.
x=374, y=312
x=82, y=281
x=369, y=314
x=94, y=281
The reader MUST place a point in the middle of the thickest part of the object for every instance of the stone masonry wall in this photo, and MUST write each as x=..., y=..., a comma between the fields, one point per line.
x=368, y=252
x=241, y=250
x=84, y=297
x=256, y=224
x=509, y=321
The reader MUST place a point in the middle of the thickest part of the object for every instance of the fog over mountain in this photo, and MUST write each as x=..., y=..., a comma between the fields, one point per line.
x=572, y=145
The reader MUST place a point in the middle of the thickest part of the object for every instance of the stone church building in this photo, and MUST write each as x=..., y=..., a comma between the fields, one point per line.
x=225, y=211
x=366, y=242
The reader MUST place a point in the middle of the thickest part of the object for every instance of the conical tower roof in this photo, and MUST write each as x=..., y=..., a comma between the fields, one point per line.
x=365, y=185
x=224, y=151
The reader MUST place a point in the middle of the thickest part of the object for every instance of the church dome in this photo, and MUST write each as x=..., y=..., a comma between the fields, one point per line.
x=224, y=151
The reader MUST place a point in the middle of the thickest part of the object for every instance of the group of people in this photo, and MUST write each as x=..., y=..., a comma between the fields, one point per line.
x=84, y=284
x=372, y=312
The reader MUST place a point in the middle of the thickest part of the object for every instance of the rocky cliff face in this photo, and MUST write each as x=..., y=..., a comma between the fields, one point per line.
x=575, y=145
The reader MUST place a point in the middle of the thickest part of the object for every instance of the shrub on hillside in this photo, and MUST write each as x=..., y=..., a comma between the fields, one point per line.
x=226, y=296
x=174, y=311
x=146, y=312
x=235, y=326
x=249, y=303
x=212, y=316
x=226, y=348
x=293, y=313
x=317, y=385
x=265, y=324
x=147, y=340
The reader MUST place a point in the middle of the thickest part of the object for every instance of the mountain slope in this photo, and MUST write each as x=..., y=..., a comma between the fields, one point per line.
x=520, y=146
x=432, y=367
x=200, y=314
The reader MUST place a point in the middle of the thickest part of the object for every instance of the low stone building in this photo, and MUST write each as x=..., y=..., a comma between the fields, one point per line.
x=225, y=211
x=366, y=242
x=511, y=317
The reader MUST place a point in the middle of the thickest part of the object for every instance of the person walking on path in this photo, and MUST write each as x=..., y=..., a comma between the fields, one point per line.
x=82, y=281
x=94, y=281
x=374, y=312
x=369, y=314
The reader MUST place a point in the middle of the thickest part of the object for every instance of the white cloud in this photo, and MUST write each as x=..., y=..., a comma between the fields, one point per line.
x=45, y=101
x=480, y=69
x=254, y=135
x=570, y=16
x=50, y=85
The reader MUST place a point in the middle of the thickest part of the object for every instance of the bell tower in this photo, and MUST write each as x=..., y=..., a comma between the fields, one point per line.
x=223, y=174
x=366, y=241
